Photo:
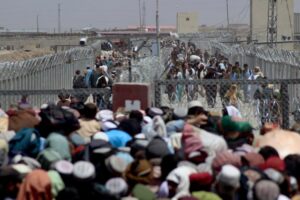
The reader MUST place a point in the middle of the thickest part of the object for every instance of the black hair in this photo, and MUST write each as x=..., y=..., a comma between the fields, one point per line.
x=292, y=163
x=137, y=115
x=8, y=176
x=79, y=106
x=131, y=126
x=168, y=163
x=63, y=95
x=89, y=111
x=268, y=151
x=196, y=111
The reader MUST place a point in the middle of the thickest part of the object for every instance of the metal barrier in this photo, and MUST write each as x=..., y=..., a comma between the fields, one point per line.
x=51, y=72
x=259, y=101
x=37, y=98
x=275, y=63
x=47, y=72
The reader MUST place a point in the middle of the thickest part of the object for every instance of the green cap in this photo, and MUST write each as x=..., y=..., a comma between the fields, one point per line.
x=231, y=125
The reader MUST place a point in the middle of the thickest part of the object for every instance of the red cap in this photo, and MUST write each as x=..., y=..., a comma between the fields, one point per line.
x=274, y=163
x=201, y=178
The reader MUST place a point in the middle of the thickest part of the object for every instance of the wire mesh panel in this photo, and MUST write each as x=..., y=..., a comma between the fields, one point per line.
x=259, y=101
x=35, y=78
x=47, y=72
x=36, y=98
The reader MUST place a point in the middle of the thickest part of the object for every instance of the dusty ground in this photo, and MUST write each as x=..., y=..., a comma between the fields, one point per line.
x=21, y=55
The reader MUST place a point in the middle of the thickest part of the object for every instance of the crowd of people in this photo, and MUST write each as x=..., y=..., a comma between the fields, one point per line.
x=101, y=75
x=78, y=151
x=75, y=150
x=187, y=62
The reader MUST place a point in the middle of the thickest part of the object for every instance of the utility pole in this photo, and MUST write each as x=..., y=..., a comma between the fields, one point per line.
x=251, y=23
x=140, y=15
x=144, y=15
x=37, y=24
x=227, y=15
x=157, y=30
x=59, y=25
x=272, y=23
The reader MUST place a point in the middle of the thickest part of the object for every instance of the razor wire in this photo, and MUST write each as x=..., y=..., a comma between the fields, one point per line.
x=252, y=54
x=275, y=104
x=275, y=63
x=47, y=72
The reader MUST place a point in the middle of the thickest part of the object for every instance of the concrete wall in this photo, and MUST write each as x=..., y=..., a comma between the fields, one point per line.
x=187, y=22
x=285, y=21
x=18, y=41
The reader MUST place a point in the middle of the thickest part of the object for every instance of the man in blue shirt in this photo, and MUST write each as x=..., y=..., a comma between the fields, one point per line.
x=87, y=78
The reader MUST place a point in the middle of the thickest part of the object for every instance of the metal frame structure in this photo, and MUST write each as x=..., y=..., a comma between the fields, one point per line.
x=272, y=23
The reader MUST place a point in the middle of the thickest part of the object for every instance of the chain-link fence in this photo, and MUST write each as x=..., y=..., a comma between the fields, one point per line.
x=100, y=96
x=275, y=63
x=39, y=75
x=259, y=101
x=44, y=77
x=47, y=72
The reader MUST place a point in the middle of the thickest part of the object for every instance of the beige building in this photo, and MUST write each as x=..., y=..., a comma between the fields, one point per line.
x=297, y=26
x=187, y=22
x=285, y=21
x=297, y=30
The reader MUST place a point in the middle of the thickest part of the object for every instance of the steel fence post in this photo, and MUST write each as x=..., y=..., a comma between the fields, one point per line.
x=285, y=105
x=157, y=93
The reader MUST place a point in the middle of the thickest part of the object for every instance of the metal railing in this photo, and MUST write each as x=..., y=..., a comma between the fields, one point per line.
x=273, y=103
x=275, y=63
x=36, y=98
x=251, y=97
x=47, y=72
x=43, y=76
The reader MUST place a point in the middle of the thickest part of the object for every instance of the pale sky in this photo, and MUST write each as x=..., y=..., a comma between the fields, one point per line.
x=77, y=14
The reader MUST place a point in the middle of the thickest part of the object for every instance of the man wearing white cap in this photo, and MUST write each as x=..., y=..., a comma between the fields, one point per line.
x=228, y=182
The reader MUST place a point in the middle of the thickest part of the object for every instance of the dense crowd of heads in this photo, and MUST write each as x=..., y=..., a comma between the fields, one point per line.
x=81, y=152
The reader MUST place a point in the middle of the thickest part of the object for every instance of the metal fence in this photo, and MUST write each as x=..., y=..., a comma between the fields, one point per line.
x=275, y=63
x=51, y=72
x=36, y=98
x=47, y=72
x=259, y=101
